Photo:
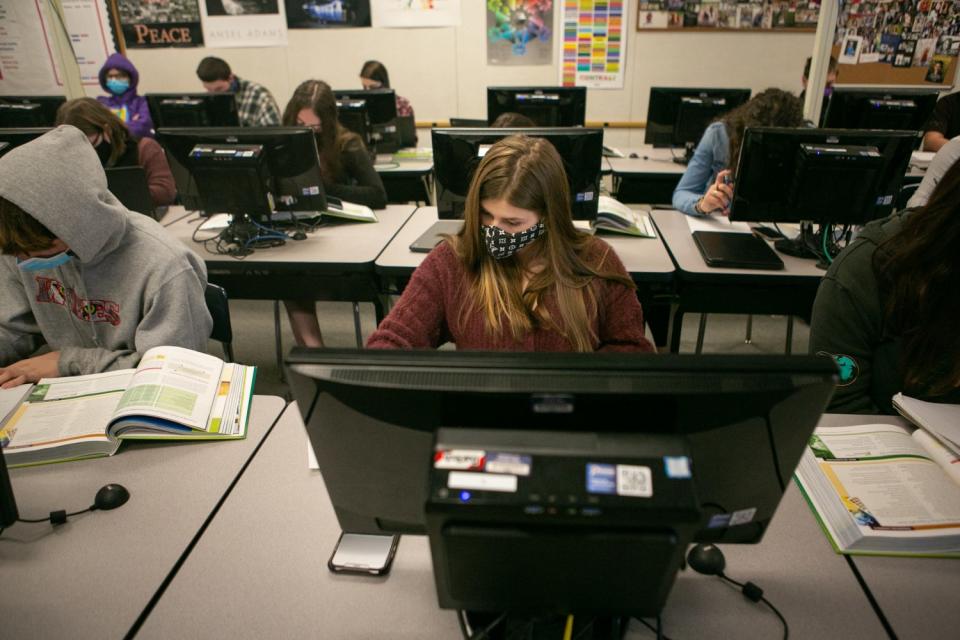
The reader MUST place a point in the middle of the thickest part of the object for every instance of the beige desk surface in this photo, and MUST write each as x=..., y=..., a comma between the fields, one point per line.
x=341, y=244
x=260, y=571
x=678, y=238
x=920, y=597
x=94, y=575
x=639, y=255
x=648, y=160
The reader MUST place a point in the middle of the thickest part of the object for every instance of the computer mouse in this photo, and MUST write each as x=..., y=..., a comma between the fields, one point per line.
x=111, y=496
x=706, y=559
x=299, y=235
x=634, y=155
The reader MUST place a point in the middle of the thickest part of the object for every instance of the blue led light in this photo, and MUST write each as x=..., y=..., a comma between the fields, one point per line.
x=464, y=496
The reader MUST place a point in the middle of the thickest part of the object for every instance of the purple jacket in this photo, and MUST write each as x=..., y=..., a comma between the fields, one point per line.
x=129, y=107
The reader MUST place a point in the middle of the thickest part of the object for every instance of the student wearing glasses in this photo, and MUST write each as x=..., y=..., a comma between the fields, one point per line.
x=519, y=276
x=347, y=174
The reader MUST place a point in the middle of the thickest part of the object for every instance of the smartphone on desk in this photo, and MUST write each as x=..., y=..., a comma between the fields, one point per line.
x=362, y=553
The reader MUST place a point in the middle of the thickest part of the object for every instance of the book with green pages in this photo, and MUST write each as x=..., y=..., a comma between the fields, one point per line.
x=173, y=394
x=883, y=489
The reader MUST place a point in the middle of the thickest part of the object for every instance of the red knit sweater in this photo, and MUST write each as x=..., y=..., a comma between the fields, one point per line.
x=427, y=314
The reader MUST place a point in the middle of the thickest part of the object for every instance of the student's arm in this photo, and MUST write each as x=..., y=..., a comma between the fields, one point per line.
x=620, y=318
x=945, y=158
x=163, y=190
x=19, y=333
x=934, y=141
x=176, y=315
x=368, y=188
x=140, y=123
x=943, y=123
x=839, y=329
x=418, y=321
x=699, y=173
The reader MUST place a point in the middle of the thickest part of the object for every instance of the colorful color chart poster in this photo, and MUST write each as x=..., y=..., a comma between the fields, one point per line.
x=415, y=13
x=594, y=43
x=519, y=32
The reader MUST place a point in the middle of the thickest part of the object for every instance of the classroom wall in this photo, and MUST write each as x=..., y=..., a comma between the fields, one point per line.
x=443, y=72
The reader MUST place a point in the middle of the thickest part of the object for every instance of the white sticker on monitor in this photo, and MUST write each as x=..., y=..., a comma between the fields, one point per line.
x=743, y=516
x=509, y=463
x=482, y=481
x=634, y=480
x=482, y=150
x=459, y=459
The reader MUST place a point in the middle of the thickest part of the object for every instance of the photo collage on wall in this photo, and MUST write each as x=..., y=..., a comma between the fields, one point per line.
x=160, y=23
x=914, y=33
x=326, y=14
x=728, y=14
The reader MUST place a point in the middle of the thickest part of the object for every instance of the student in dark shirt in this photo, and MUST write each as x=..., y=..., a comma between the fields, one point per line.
x=347, y=174
x=944, y=123
x=887, y=308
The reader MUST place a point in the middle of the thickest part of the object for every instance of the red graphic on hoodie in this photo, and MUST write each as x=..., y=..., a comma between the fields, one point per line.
x=52, y=291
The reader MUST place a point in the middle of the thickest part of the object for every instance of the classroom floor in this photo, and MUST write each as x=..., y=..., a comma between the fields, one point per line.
x=253, y=343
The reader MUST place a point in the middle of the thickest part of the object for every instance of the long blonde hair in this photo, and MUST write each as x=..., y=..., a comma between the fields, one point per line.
x=528, y=173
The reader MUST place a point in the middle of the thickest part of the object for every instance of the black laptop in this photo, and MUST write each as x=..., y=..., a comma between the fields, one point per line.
x=736, y=250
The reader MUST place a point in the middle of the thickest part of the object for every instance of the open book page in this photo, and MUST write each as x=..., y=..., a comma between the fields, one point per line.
x=887, y=481
x=613, y=215
x=174, y=384
x=59, y=411
x=716, y=223
x=941, y=420
x=10, y=399
x=350, y=211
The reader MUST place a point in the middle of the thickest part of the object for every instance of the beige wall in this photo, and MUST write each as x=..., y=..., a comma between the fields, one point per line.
x=443, y=72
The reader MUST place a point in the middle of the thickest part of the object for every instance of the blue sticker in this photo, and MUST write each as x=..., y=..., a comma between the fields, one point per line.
x=601, y=478
x=677, y=467
x=721, y=520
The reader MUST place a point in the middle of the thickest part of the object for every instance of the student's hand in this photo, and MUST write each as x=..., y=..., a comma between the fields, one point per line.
x=718, y=197
x=30, y=370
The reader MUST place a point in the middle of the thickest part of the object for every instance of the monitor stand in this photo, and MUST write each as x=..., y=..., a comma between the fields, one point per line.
x=549, y=626
x=688, y=149
x=809, y=244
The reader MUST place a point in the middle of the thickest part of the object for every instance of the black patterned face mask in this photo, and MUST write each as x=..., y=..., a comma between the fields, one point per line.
x=502, y=244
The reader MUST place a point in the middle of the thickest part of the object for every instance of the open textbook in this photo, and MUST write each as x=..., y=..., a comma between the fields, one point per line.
x=613, y=215
x=883, y=489
x=173, y=394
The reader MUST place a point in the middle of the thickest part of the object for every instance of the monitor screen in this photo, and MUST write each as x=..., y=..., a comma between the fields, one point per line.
x=457, y=153
x=546, y=106
x=193, y=109
x=16, y=137
x=903, y=109
x=290, y=159
x=381, y=103
x=827, y=176
x=371, y=417
x=701, y=107
x=29, y=111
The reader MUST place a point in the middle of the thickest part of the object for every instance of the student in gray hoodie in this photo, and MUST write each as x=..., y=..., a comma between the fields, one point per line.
x=79, y=272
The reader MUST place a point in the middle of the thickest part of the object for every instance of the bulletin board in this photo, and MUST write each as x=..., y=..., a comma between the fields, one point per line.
x=910, y=42
x=729, y=15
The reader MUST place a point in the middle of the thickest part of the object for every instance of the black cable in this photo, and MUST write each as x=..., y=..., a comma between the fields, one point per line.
x=55, y=517
x=485, y=632
x=585, y=628
x=755, y=594
x=660, y=633
x=462, y=621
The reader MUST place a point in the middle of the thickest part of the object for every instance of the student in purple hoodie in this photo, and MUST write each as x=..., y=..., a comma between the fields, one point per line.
x=119, y=78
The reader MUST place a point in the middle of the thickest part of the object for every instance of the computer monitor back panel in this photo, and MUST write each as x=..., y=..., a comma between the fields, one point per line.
x=14, y=137
x=381, y=103
x=771, y=186
x=193, y=109
x=899, y=109
x=29, y=111
x=457, y=153
x=371, y=417
x=546, y=106
x=664, y=108
x=292, y=161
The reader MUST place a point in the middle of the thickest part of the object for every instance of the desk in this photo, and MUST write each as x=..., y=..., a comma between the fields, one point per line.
x=282, y=587
x=649, y=178
x=335, y=262
x=92, y=577
x=646, y=259
x=407, y=179
x=719, y=290
x=918, y=596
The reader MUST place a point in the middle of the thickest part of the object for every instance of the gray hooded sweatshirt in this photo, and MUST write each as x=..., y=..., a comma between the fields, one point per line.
x=129, y=287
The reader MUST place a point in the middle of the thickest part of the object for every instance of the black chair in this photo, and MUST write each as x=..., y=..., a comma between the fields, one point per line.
x=219, y=307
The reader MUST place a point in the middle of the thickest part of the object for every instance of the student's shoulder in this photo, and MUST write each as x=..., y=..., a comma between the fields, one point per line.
x=150, y=242
x=854, y=266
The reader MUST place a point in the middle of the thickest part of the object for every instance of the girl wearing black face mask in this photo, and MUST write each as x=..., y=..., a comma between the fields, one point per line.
x=116, y=147
x=347, y=172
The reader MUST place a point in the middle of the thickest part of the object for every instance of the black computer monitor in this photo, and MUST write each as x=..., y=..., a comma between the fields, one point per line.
x=546, y=106
x=353, y=115
x=372, y=415
x=29, y=111
x=18, y=136
x=193, y=109
x=381, y=107
x=826, y=176
x=232, y=170
x=857, y=108
x=677, y=116
x=457, y=153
